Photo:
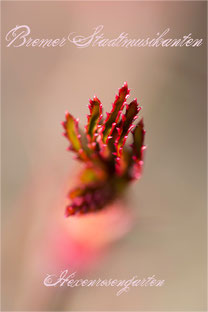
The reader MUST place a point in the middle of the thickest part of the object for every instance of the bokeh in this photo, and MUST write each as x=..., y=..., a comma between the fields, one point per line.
x=160, y=229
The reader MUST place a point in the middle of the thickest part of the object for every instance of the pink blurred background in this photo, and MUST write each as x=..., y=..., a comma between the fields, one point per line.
x=162, y=228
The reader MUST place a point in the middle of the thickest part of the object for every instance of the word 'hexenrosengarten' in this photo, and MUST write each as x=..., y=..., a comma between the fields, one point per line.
x=68, y=279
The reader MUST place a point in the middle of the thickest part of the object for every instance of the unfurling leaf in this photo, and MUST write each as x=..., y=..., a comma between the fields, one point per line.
x=95, y=116
x=93, y=174
x=138, y=135
x=113, y=117
x=138, y=148
x=126, y=125
x=90, y=198
x=73, y=135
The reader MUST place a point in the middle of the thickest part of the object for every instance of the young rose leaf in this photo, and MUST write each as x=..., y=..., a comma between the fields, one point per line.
x=112, y=117
x=94, y=118
x=76, y=192
x=93, y=174
x=72, y=134
x=88, y=175
x=138, y=135
x=138, y=148
x=90, y=198
x=126, y=125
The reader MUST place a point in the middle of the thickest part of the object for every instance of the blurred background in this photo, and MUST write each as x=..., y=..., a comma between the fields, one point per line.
x=161, y=229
